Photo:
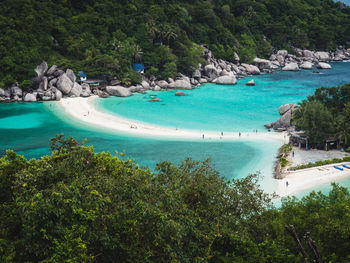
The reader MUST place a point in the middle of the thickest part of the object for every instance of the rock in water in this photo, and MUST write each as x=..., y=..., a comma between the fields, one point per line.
x=306, y=65
x=76, y=90
x=71, y=75
x=41, y=69
x=29, y=97
x=226, y=80
x=251, y=83
x=180, y=93
x=180, y=84
x=323, y=65
x=251, y=69
x=291, y=67
x=155, y=100
x=64, y=84
x=118, y=91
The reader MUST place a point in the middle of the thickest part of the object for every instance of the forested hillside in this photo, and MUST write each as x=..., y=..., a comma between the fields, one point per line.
x=106, y=36
x=81, y=206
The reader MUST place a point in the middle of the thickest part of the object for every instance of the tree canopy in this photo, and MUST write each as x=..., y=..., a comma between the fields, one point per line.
x=79, y=206
x=107, y=36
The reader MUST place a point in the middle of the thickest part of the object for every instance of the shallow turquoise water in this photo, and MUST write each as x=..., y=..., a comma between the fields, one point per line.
x=227, y=107
x=27, y=128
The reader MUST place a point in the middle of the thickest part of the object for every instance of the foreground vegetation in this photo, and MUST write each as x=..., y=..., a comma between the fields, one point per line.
x=81, y=206
x=324, y=115
x=105, y=36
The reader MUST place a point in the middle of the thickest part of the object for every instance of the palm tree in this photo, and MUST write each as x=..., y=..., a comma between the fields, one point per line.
x=137, y=50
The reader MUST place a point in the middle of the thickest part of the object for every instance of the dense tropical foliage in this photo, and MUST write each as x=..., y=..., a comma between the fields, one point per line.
x=79, y=206
x=105, y=36
x=326, y=114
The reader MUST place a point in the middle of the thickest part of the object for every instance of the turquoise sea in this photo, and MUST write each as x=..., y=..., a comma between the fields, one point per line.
x=27, y=128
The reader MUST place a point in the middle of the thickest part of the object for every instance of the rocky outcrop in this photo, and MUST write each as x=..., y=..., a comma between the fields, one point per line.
x=85, y=90
x=64, y=84
x=291, y=67
x=118, y=91
x=306, y=65
x=29, y=97
x=322, y=56
x=262, y=63
x=16, y=91
x=180, y=84
x=58, y=94
x=251, y=69
x=285, y=122
x=145, y=85
x=162, y=84
x=76, y=90
x=211, y=71
x=323, y=65
x=41, y=69
x=70, y=74
x=226, y=80
x=250, y=83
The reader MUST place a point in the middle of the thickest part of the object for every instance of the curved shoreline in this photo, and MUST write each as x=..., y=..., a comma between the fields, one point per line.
x=83, y=109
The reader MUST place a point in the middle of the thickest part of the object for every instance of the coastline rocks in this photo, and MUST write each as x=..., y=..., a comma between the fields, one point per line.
x=64, y=84
x=163, y=84
x=86, y=91
x=136, y=88
x=41, y=69
x=180, y=93
x=226, y=80
x=196, y=74
x=262, y=63
x=102, y=94
x=180, y=84
x=2, y=92
x=322, y=56
x=250, y=83
x=16, y=91
x=156, y=88
x=306, y=65
x=145, y=85
x=323, y=65
x=29, y=97
x=291, y=67
x=286, y=107
x=251, y=69
x=211, y=71
x=76, y=90
x=308, y=53
x=118, y=91
x=282, y=53
x=71, y=75
x=58, y=73
x=51, y=70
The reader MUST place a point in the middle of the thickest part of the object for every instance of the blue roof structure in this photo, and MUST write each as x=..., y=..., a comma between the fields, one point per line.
x=138, y=67
x=82, y=74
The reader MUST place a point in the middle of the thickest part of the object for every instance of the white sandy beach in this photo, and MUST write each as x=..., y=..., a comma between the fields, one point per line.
x=83, y=109
x=308, y=178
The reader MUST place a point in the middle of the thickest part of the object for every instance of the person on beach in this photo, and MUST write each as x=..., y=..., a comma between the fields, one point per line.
x=239, y=134
x=222, y=133
x=203, y=136
x=287, y=184
x=293, y=153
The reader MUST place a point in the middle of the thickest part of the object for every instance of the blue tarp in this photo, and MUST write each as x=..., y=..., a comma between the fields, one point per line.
x=82, y=74
x=138, y=67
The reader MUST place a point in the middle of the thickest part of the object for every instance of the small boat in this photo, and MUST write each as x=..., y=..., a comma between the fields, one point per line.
x=339, y=168
x=348, y=167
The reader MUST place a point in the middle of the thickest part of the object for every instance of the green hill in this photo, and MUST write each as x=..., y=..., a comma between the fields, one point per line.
x=105, y=36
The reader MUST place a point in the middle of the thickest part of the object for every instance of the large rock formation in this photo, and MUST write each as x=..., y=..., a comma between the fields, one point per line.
x=291, y=67
x=306, y=65
x=322, y=56
x=180, y=84
x=251, y=69
x=323, y=65
x=211, y=71
x=226, y=80
x=64, y=84
x=41, y=69
x=76, y=90
x=285, y=122
x=118, y=91
x=29, y=97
